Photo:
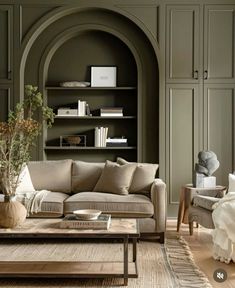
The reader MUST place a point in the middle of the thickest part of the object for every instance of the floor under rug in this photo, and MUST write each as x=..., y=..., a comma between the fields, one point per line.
x=160, y=266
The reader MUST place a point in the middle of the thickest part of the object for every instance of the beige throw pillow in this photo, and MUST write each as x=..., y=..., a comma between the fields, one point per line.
x=143, y=177
x=53, y=175
x=85, y=175
x=115, y=178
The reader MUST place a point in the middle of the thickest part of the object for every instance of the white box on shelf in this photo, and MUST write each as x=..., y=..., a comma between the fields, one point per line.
x=103, y=76
x=67, y=112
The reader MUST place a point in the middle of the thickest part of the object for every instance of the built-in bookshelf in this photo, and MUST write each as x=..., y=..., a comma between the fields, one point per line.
x=124, y=95
x=125, y=125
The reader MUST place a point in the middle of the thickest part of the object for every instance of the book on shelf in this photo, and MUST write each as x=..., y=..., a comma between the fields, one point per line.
x=111, y=112
x=101, y=134
x=72, y=222
x=116, y=140
x=81, y=108
x=113, y=144
x=111, y=109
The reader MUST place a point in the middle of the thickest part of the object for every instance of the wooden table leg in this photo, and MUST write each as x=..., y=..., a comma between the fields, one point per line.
x=181, y=209
x=125, y=262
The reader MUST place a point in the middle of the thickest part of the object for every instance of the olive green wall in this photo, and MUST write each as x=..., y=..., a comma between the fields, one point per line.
x=180, y=54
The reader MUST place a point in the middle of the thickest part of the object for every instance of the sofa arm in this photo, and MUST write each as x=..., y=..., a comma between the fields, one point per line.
x=159, y=200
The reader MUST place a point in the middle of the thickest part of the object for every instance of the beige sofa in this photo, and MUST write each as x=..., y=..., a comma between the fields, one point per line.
x=71, y=185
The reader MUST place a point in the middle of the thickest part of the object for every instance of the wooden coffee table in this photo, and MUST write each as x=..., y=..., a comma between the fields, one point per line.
x=124, y=229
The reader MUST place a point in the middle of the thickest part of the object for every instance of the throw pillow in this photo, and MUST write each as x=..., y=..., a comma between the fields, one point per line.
x=143, y=177
x=115, y=178
x=85, y=175
x=25, y=182
x=53, y=175
x=231, y=183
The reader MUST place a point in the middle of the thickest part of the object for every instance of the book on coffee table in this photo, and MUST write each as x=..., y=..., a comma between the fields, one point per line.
x=71, y=221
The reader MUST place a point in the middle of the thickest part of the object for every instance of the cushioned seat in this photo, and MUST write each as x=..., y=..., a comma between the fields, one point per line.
x=52, y=205
x=205, y=202
x=131, y=205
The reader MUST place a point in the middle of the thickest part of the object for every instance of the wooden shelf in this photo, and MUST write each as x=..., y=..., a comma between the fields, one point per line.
x=65, y=269
x=87, y=148
x=94, y=117
x=90, y=88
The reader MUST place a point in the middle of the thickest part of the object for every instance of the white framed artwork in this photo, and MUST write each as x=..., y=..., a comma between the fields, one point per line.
x=103, y=76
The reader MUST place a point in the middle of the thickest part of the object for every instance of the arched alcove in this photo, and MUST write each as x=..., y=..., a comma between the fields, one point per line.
x=66, y=50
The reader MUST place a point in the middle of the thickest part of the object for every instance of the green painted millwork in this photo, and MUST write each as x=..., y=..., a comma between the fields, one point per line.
x=158, y=46
x=6, y=43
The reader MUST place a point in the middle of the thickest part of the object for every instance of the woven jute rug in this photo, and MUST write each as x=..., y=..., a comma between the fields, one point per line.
x=160, y=266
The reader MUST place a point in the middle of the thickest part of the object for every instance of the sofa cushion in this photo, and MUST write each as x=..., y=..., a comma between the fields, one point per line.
x=51, y=175
x=115, y=178
x=132, y=205
x=52, y=205
x=85, y=175
x=143, y=177
x=205, y=201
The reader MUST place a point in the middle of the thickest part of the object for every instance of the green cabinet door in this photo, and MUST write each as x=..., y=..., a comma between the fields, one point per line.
x=182, y=43
x=6, y=34
x=219, y=34
x=219, y=126
x=4, y=102
x=182, y=141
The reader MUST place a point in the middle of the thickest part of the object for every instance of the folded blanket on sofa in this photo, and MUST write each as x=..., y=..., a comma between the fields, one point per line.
x=224, y=233
x=32, y=200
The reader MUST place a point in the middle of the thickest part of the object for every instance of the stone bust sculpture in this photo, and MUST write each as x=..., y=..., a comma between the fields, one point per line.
x=207, y=163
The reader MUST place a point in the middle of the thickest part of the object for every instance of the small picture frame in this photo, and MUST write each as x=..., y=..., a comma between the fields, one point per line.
x=72, y=140
x=103, y=76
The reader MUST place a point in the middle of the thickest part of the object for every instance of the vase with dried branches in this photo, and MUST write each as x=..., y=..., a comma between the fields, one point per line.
x=17, y=136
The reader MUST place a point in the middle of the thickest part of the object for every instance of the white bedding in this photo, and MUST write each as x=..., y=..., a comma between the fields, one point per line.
x=224, y=233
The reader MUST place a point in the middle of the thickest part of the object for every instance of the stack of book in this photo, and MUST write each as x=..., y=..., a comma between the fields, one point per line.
x=116, y=142
x=72, y=222
x=111, y=112
x=101, y=134
x=81, y=108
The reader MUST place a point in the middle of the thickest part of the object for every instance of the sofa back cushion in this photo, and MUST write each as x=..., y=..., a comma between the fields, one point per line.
x=115, y=178
x=51, y=175
x=143, y=177
x=85, y=175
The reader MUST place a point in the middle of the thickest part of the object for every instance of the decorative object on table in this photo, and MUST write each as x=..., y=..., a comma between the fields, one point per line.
x=102, y=221
x=17, y=136
x=87, y=214
x=72, y=140
x=206, y=166
x=101, y=134
x=116, y=142
x=65, y=111
x=111, y=112
x=74, y=84
x=103, y=76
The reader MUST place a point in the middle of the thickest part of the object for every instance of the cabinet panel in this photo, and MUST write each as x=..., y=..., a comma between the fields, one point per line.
x=182, y=101
x=219, y=127
x=219, y=42
x=5, y=42
x=182, y=42
x=4, y=103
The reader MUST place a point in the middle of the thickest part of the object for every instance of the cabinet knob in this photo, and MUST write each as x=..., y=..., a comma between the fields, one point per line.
x=9, y=75
x=195, y=74
x=205, y=74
